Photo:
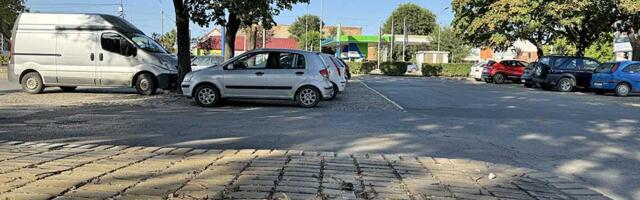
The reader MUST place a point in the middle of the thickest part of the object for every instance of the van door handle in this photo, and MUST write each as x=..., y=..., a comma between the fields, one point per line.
x=259, y=73
x=299, y=73
x=101, y=57
x=92, y=56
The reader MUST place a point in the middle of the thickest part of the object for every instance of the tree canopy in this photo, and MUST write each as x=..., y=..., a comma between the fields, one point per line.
x=311, y=40
x=167, y=40
x=451, y=42
x=420, y=21
x=304, y=24
x=8, y=13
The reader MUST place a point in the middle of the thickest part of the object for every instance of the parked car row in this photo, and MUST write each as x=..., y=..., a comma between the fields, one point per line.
x=304, y=77
x=564, y=73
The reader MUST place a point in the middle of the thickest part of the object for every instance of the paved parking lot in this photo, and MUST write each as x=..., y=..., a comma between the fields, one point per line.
x=591, y=139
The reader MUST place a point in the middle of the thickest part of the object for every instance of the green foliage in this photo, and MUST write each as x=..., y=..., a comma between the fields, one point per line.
x=446, y=69
x=310, y=39
x=452, y=42
x=560, y=46
x=602, y=49
x=304, y=24
x=420, y=21
x=4, y=60
x=167, y=40
x=8, y=13
x=394, y=68
x=362, y=67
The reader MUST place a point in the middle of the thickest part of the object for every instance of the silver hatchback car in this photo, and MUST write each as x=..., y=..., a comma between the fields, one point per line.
x=300, y=76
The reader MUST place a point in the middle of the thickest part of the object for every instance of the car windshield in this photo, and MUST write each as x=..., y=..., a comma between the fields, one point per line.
x=605, y=67
x=146, y=43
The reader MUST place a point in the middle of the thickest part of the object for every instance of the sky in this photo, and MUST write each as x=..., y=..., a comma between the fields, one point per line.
x=146, y=14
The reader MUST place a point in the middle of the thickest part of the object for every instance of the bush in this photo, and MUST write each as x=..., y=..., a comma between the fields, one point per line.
x=394, y=68
x=361, y=67
x=446, y=69
x=4, y=60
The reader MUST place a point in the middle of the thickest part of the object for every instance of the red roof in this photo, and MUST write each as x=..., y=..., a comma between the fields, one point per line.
x=280, y=43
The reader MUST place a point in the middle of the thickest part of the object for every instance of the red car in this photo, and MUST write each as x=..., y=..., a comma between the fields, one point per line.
x=503, y=71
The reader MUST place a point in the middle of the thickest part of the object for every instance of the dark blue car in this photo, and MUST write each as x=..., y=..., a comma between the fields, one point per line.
x=623, y=78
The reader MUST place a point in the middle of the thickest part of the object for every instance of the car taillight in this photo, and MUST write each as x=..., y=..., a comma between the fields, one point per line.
x=324, y=72
x=615, y=67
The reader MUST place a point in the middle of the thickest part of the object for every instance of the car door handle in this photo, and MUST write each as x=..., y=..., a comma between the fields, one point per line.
x=299, y=73
x=259, y=73
x=100, y=56
x=92, y=56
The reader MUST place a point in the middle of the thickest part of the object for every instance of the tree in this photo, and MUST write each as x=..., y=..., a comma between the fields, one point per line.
x=304, y=24
x=182, y=10
x=167, y=40
x=8, y=13
x=310, y=39
x=602, y=49
x=628, y=16
x=451, y=42
x=420, y=21
x=333, y=32
x=560, y=46
x=239, y=14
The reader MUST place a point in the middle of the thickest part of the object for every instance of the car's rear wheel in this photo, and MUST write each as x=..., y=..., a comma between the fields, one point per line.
x=68, y=88
x=566, y=85
x=499, y=79
x=334, y=93
x=623, y=90
x=146, y=84
x=308, y=97
x=207, y=95
x=32, y=83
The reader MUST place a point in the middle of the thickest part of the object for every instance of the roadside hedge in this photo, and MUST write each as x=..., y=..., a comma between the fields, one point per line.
x=446, y=69
x=362, y=67
x=4, y=60
x=394, y=68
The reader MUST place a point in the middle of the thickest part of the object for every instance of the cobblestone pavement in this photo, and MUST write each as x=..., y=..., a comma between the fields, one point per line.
x=73, y=171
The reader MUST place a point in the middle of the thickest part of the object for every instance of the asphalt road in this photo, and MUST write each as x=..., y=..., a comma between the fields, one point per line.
x=593, y=139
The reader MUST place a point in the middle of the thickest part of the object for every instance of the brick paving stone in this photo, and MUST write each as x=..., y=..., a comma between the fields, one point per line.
x=294, y=196
x=248, y=195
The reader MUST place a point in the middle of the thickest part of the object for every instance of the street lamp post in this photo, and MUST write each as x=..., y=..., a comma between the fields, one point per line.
x=439, y=28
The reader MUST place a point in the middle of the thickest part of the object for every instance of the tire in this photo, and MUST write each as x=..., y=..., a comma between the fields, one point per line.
x=335, y=93
x=308, y=97
x=146, y=84
x=623, y=90
x=499, y=79
x=207, y=95
x=566, y=85
x=68, y=88
x=528, y=85
x=32, y=83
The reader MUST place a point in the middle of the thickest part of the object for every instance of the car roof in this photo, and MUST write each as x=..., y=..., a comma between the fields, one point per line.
x=284, y=50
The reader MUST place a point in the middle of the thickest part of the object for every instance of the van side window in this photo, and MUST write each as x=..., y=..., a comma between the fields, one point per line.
x=112, y=42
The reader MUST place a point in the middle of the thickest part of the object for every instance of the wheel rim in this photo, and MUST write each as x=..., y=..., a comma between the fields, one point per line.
x=207, y=96
x=499, y=78
x=623, y=89
x=565, y=85
x=308, y=96
x=538, y=71
x=32, y=83
x=144, y=84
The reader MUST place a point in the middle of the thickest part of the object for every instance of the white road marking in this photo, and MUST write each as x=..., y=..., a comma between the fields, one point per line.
x=382, y=95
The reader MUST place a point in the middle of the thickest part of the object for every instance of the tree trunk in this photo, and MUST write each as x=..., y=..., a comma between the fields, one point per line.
x=233, y=24
x=252, y=37
x=183, y=40
x=634, y=39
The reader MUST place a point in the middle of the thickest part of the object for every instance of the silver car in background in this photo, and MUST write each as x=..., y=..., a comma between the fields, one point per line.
x=337, y=74
x=295, y=75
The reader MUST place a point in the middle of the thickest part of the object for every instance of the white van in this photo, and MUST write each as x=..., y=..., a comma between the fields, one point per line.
x=71, y=50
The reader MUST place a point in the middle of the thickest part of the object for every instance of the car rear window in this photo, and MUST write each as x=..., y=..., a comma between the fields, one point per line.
x=605, y=67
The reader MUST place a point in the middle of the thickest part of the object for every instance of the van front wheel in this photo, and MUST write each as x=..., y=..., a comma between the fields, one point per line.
x=32, y=83
x=146, y=84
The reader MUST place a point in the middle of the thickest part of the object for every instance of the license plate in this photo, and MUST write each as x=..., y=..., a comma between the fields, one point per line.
x=523, y=81
x=598, y=85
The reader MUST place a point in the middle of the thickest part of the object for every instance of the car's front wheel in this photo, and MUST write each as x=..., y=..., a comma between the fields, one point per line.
x=32, y=83
x=566, y=85
x=207, y=95
x=499, y=79
x=146, y=84
x=308, y=97
x=623, y=90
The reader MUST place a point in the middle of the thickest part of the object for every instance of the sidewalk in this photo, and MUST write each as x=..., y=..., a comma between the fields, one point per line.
x=75, y=171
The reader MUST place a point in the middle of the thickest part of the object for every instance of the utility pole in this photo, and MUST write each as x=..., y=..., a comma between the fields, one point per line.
x=440, y=28
x=306, y=29
x=264, y=38
x=321, y=22
x=404, y=39
x=393, y=38
x=121, y=9
x=379, y=45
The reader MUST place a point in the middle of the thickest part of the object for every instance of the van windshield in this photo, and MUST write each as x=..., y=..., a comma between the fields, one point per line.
x=146, y=43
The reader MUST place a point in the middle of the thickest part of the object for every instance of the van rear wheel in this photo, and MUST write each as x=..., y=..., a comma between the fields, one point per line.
x=32, y=83
x=67, y=88
x=146, y=84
